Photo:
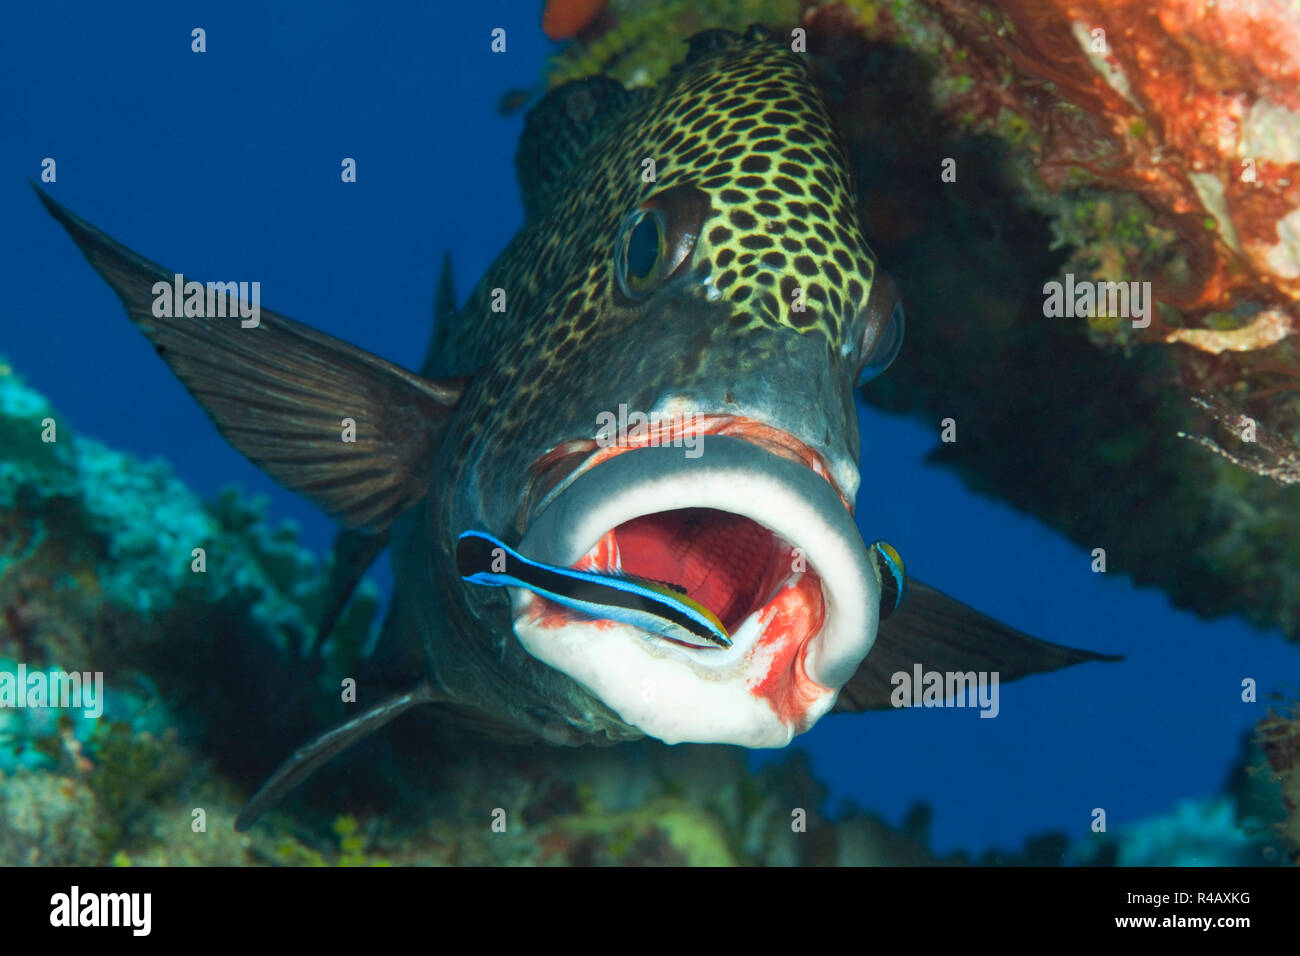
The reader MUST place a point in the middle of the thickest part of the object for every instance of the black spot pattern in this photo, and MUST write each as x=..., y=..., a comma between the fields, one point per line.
x=744, y=124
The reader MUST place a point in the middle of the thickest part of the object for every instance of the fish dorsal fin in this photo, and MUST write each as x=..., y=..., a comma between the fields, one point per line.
x=561, y=130
x=284, y=394
x=705, y=43
x=942, y=634
x=655, y=581
x=444, y=314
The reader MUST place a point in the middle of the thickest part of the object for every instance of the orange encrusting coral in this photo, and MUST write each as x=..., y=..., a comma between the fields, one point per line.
x=1192, y=107
x=1185, y=77
x=562, y=19
x=1182, y=79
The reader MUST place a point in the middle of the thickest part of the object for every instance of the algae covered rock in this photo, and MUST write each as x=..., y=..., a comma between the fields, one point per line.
x=1279, y=739
x=112, y=569
x=49, y=821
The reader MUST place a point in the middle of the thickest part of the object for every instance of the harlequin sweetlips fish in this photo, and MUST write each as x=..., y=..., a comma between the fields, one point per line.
x=690, y=250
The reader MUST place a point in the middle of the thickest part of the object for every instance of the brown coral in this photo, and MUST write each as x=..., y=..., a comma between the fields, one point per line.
x=1279, y=737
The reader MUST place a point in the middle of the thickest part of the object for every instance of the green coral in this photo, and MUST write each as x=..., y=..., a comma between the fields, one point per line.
x=645, y=41
x=34, y=449
x=134, y=772
x=1112, y=236
x=45, y=738
x=1014, y=128
x=352, y=844
x=1193, y=833
x=95, y=574
x=693, y=837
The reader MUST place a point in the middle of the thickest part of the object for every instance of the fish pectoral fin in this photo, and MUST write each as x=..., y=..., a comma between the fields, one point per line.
x=349, y=430
x=318, y=751
x=942, y=634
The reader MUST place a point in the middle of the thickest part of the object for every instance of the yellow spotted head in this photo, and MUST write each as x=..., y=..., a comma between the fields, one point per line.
x=694, y=245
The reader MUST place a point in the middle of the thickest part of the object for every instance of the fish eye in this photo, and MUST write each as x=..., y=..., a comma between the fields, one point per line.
x=656, y=238
x=641, y=252
x=883, y=333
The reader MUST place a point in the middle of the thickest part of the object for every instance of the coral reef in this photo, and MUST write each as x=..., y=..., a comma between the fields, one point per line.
x=193, y=613
x=1245, y=825
x=1164, y=142
x=1194, y=833
x=1279, y=739
x=49, y=821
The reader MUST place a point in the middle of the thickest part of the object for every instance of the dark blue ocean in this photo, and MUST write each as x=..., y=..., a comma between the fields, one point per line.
x=227, y=164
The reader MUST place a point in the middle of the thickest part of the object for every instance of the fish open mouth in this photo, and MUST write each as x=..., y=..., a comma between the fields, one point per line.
x=728, y=563
x=750, y=531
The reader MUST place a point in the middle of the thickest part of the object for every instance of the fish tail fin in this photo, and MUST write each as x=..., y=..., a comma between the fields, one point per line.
x=942, y=634
x=352, y=432
x=318, y=751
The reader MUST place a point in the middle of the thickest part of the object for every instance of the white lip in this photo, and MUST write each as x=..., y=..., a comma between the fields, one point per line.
x=705, y=695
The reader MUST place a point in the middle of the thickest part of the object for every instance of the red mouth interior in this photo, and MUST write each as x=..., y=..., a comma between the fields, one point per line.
x=725, y=561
